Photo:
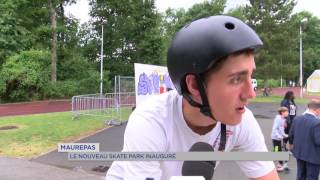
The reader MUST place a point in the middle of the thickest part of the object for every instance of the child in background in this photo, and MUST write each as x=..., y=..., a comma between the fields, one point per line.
x=278, y=133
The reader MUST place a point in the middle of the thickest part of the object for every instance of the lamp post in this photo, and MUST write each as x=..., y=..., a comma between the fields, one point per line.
x=301, y=74
x=101, y=61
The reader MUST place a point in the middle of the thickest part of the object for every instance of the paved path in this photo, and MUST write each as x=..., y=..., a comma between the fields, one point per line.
x=111, y=140
x=19, y=169
x=55, y=165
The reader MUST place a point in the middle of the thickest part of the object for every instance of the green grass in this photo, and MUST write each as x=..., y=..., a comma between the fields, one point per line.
x=40, y=133
x=314, y=93
x=276, y=99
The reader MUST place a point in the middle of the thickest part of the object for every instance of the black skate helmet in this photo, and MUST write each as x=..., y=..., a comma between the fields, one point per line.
x=198, y=45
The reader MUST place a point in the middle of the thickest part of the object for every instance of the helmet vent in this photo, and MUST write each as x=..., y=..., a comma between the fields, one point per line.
x=229, y=26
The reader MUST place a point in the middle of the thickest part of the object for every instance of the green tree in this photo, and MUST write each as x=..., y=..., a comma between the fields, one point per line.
x=53, y=24
x=132, y=34
x=311, y=42
x=174, y=20
x=272, y=21
x=56, y=10
x=238, y=12
x=170, y=21
x=13, y=35
x=26, y=24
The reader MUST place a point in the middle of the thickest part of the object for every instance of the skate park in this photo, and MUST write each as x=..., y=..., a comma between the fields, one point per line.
x=48, y=64
x=111, y=139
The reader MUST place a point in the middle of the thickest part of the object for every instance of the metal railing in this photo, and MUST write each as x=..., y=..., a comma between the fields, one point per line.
x=109, y=105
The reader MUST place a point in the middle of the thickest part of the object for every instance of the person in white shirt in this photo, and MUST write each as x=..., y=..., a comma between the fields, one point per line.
x=210, y=62
x=277, y=133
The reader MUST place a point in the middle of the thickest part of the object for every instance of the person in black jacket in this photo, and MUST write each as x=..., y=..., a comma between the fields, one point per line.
x=288, y=102
x=304, y=141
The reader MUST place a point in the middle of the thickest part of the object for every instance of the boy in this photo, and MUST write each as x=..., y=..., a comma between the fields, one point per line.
x=277, y=133
x=210, y=62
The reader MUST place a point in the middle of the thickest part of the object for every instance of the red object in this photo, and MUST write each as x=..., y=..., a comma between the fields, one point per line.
x=161, y=89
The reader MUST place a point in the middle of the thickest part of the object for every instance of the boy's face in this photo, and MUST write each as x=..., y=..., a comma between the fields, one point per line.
x=285, y=114
x=230, y=88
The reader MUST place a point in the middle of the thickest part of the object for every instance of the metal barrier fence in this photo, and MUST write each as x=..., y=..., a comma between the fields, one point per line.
x=111, y=105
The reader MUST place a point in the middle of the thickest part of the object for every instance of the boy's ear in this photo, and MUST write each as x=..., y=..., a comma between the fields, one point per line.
x=191, y=84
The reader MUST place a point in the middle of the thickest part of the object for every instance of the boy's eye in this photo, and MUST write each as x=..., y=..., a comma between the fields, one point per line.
x=236, y=80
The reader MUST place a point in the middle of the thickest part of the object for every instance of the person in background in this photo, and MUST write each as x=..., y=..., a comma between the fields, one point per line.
x=277, y=133
x=288, y=102
x=307, y=109
x=304, y=141
x=265, y=91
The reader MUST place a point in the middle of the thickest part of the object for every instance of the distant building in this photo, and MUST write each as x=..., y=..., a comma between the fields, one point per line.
x=313, y=81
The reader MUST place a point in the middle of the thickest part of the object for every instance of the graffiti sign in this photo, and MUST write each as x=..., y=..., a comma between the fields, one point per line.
x=151, y=80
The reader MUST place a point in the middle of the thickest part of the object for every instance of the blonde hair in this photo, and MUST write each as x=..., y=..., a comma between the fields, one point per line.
x=282, y=109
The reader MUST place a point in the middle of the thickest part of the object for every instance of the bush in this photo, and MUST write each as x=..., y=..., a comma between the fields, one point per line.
x=268, y=83
x=26, y=77
x=23, y=74
x=91, y=84
x=69, y=88
x=60, y=89
x=75, y=68
x=274, y=83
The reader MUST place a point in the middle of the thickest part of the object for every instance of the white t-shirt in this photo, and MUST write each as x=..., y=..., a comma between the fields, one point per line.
x=292, y=110
x=277, y=132
x=158, y=126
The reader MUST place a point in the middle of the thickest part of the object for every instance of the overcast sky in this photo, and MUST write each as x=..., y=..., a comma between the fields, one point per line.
x=81, y=9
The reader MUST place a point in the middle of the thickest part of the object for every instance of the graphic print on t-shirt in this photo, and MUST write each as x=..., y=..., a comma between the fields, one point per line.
x=216, y=143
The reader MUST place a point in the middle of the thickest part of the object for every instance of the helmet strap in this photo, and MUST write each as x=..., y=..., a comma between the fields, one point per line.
x=204, y=107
